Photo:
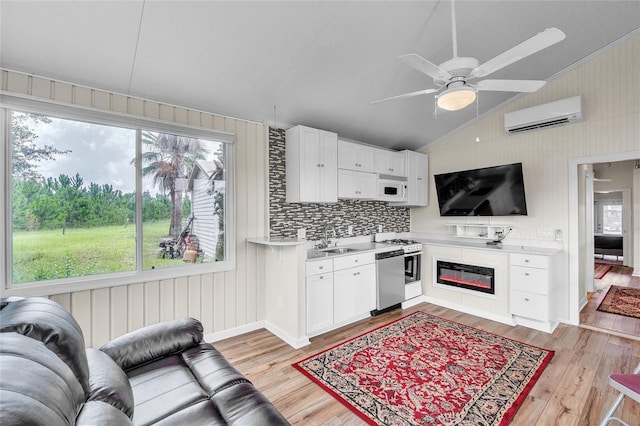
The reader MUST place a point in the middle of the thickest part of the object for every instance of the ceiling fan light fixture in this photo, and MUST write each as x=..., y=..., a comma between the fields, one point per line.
x=456, y=98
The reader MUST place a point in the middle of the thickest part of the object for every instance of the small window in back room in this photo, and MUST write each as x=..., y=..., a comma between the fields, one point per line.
x=608, y=217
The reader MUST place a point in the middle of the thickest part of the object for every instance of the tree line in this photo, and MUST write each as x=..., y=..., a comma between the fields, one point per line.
x=67, y=202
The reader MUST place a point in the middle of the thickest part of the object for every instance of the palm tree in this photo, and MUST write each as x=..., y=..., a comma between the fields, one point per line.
x=169, y=159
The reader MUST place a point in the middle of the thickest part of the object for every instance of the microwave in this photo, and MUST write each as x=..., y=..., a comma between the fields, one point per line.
x=392, y=188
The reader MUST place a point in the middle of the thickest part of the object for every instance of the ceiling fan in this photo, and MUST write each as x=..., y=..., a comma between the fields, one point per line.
x=452, y=77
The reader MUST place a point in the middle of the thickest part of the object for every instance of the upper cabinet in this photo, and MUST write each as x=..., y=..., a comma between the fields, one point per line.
x=389, y=162
x=354, y=156
x=417, y=179
x=311, y=165
x=358, y=185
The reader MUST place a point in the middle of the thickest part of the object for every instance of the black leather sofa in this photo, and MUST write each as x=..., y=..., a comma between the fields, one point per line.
x=161, y=374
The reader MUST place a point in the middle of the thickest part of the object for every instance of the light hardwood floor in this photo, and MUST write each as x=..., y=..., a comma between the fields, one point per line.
x=592, y=318
x=573, y=389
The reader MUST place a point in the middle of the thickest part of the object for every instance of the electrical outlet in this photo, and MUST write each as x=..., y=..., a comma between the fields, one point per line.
x=545, y=232
x=350, y=230
x=302, y=233
x=379, y=228
x=558, y=234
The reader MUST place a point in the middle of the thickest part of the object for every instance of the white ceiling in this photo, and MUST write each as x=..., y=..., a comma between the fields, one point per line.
x=319, y=63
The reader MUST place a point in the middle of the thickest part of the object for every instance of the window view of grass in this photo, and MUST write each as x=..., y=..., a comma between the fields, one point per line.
x=74, y=201
x=48, y=254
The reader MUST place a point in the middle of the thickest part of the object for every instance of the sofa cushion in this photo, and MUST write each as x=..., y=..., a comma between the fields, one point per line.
x=243, y=404
x=211, y=368
x=108, y=383
x=37, y=387
x=150, y=343
x=46, y=321
x=201, y=413
x=100, y=413
x=162, y=388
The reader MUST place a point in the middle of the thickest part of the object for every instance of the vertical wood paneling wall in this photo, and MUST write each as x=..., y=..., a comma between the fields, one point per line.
x=222, y=301
x=610, y=89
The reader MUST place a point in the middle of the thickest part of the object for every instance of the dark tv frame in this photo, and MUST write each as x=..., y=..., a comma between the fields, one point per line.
x=482, y=207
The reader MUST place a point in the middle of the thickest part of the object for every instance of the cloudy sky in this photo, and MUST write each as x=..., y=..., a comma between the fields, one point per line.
x=100, y=154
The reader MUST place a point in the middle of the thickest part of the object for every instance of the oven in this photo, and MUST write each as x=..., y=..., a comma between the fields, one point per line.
x=412, y=266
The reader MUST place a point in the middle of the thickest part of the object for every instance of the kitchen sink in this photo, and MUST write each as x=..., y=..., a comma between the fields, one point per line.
x=339, y=250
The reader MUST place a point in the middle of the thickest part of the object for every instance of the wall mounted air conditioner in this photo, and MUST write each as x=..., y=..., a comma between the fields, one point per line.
x=552, y=114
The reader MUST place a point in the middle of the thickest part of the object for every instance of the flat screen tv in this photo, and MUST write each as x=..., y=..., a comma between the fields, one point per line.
x=490, y=191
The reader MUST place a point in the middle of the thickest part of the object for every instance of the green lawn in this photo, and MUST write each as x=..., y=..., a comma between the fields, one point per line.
x=43, y=255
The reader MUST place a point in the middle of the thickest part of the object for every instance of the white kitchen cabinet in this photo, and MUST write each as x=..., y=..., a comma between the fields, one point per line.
x=339, y=290
x=311, y=165
x=354, y=156
x=531, y=290
x=417, y=179
x=417, y=168
x=319, y=295
x=389, y=162
x=359, y=185
x=354, y=292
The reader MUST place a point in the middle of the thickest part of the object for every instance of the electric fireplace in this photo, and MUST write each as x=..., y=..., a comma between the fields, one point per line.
x=469, y=277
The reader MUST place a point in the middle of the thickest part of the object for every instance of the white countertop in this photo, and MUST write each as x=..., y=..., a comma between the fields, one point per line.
x=276, y=241
x=484, y=246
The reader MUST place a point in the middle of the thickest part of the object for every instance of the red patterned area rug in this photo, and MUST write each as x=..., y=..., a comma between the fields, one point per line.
x=621, y=301
x=600, y=270
x=423, y=370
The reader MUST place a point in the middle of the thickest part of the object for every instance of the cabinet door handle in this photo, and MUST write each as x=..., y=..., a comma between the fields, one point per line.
x=526, y=260
x=322, y=277
x=321, y=165
x=320, y=267
x=419, y=178
x=356, y=260
x=318, y=165
x=526, y=274
x=526, y=299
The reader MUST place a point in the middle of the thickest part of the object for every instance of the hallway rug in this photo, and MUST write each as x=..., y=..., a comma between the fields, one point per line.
x=422, y=369
x=600, y=270
x=621, y=301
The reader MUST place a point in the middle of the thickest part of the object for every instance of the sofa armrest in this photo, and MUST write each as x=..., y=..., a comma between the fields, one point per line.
x=153, y=342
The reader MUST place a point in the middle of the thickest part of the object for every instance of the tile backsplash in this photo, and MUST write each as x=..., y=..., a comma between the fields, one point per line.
x=286, y=218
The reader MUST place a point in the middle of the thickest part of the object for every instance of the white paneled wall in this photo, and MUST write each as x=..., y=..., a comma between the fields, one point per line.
x=610, y=88
x=222, y=301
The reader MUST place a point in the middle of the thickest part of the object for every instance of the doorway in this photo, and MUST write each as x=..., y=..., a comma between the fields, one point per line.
x=580, y=242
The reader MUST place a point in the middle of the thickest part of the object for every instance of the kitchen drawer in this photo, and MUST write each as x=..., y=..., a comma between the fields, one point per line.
x=319, y=267
x=527, y=279
x=530, y=260
x=353, y=260
x=529, y=305
x=412, y=290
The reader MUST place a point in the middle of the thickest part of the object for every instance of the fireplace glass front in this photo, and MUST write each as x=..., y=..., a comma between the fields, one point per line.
x=469, y=277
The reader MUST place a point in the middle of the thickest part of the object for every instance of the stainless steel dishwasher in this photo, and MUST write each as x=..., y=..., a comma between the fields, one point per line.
x=390, y=281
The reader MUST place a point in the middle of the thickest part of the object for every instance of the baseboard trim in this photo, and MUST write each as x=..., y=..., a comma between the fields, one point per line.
x=295, y=343
x=415, y=301
x=233, y=332
x=470, y=311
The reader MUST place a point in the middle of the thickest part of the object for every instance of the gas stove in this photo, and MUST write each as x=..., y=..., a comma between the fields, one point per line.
x=408, y=246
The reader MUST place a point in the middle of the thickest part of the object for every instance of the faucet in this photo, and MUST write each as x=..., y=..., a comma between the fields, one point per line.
x=325, y=241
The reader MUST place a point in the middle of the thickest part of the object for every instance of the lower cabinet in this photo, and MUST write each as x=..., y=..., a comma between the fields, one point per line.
x=339, y=292
x=532, y=291
x=319, y=302
x=353, y=292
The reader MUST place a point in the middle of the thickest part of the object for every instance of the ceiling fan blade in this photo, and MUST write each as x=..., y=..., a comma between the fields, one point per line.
x=542, y=40
x=510, y=85
x=406, y=95
x=417, y=62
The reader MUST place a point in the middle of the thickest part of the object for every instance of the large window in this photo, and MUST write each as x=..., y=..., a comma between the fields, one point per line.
x=94, y=200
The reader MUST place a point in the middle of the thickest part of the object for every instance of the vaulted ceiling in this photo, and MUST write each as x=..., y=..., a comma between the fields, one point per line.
x=318, y=63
